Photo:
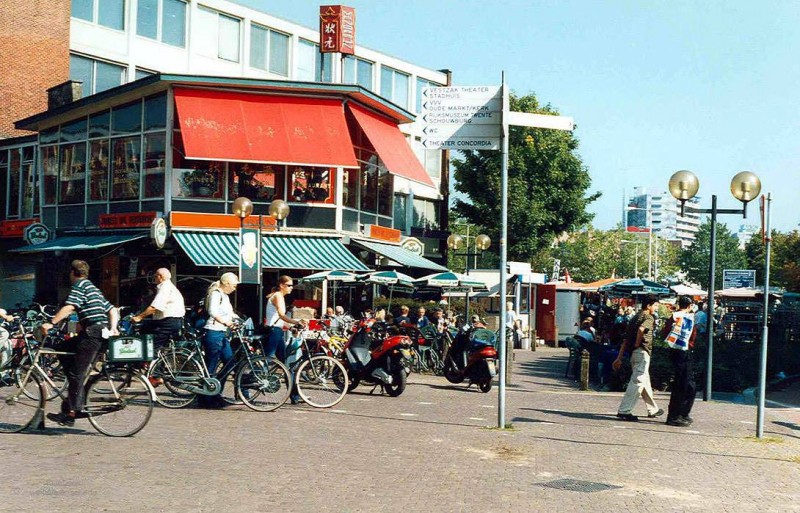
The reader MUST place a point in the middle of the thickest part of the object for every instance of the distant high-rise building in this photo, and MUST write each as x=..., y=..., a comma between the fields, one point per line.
x=745, y=233
x=662, y=213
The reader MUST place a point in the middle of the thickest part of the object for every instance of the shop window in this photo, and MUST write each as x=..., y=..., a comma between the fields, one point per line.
x=50, y=174
x=126, y=119
x=73, y=173
x=155, y=113
x=199, y=179
x=154, y=164
x=162, y=20
x=369, y=187
x=108, y=13
x=99, y=124
x=13, y=183
x=311, y=184
x=125, y=168
x=394, y=86
x=400, y=202
x=220, y=35
x=357, y=71
x=259, y=182
x=350, y=188
x=48, y=135
x=385, y=192
x=269, y=50
x=98, y=170
x=426, y=214
x=74, y=131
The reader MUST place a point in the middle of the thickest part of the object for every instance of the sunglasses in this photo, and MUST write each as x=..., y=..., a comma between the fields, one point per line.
x=289, y=284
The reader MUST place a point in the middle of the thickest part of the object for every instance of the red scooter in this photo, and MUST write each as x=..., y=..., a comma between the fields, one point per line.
x=472, y=356
x=375, y=357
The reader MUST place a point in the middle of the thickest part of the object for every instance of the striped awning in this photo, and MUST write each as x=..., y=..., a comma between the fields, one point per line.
x=277, y=252
x=400, y=255
x=79, y=243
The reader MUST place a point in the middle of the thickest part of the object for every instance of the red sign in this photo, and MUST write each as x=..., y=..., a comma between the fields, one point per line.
x=16, y=227
x=382, y=233
x=337, y=29
x=637, y=229
x=216, y=221
x=127, y=220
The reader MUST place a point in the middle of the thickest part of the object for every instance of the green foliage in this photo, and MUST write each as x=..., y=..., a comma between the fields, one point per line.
x=784, y=266
x=547, y=186
x=695, y=259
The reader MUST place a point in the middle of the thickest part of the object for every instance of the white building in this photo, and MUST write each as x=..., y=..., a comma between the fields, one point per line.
x=661, y=212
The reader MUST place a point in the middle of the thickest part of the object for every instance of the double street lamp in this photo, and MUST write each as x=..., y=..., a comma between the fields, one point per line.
x=482, y=243
x=745, y=187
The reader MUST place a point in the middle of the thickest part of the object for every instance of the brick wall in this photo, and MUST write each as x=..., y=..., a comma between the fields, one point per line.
x=34, y=56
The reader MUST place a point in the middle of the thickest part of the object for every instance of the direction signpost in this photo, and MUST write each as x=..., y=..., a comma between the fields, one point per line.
x=478, y=118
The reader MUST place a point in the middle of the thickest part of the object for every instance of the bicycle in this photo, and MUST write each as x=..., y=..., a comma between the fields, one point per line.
x=321, y=380
x=119, y=399
x=261, y=383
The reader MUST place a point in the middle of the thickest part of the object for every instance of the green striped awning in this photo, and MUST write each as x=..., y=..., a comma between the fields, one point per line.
x=79, y=243
x=277, y=252
x=400, y=255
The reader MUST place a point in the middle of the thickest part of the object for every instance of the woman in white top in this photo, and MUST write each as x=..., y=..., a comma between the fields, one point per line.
x=220, y=317
x=276, y=317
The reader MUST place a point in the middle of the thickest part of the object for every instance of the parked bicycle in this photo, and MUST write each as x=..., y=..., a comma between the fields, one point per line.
x=320, y=380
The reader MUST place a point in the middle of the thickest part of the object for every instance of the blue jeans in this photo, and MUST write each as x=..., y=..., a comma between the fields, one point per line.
x=275, y=346
x=217, y=348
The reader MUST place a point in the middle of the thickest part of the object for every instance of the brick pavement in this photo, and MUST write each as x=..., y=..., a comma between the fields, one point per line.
x=431, y=449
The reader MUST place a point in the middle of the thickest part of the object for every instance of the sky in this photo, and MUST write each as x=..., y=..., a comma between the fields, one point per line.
x=654, y=87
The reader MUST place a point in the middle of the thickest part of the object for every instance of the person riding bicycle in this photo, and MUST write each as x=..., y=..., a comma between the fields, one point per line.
x=95, y=314
x=167, y=309
x=276, y=319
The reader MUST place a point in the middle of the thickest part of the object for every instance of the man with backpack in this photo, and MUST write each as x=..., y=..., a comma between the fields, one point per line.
x=679, y=333
x=639, y=340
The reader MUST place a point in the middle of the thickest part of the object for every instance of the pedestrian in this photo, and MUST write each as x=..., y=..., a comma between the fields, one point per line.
x=276, y=319
x=701, y=320
x=680, y=333
x=639, y=340
x=441, y=322
x=403, y=318
x=5, y=343
x=422, y=319
x=513, y=324
x=167, y=309
x=96, y=315
x=216, y=345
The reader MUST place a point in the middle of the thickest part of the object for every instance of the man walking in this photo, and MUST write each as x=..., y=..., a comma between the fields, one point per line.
x=640, y=341
x=95, y=314
x=679, y=333
x=167, y=309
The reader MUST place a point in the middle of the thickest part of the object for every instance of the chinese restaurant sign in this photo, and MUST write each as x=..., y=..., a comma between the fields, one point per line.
x=127, y=220
x=337, y=29
x=15, y=228
x=374, y=231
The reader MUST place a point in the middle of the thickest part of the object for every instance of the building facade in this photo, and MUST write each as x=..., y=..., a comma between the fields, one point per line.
x=661, y=213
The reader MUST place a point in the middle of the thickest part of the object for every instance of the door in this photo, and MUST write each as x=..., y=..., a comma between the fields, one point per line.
x=546, y=327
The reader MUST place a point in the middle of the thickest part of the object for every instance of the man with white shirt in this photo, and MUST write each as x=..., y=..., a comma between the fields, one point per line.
x=167, y=309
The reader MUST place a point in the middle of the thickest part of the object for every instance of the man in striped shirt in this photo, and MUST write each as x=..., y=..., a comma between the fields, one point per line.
x=95, y=313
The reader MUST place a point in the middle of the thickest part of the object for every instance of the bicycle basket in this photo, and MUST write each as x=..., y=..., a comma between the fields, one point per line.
x=130, y=349
x=482, y=337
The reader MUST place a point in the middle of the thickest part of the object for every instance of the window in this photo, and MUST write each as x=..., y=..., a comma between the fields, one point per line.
x=98, y=170
x=269, y=50
x=96, y=75
x=154, y=164
x=50, y=174
x=220, y=35
x=350, y=188
x=385, y=192
x=422, y=84
x=126, y=119
x=142, y=73
x=394, y=86
x=108, y=13
x=155, y=112
x=400, y=202
x=198, y=179
x=72, y=182
x=259, y=182
x=426, y=214
x=311, y=184
x=125, y=154
x=310, y=63
x=369, y=187
x=162, y=20
x=357, y=71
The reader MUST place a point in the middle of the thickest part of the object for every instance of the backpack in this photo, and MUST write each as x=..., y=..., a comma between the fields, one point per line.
x=681, y=332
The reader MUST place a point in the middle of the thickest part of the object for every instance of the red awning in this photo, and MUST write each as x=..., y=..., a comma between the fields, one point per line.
x=224, y=125
x=391, y=145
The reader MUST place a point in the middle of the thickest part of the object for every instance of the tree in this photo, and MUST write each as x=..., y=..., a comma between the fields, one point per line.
x=784, y=268
x=695, y=259
x=547, y=186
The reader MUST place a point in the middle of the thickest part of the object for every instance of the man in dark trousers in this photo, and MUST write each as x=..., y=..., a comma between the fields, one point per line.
x=680, y=332
x=95, y=314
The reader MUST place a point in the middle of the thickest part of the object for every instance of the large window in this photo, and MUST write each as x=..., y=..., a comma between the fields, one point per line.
x=350, y=188
x=422, y=84
x=73, y=173
x=154, y=164
x=50, y=173
x=313, y=66
x=125, y=168
x=259, y=182
x=385, y=192
x=400, y=202
x=220, y=35
x=311, y=184
x=98, y=170
x=162, y=20
x=108, y=13
x=427, y=214
x=96, y=75
x=357, y=71
x=394, y=86
x=198, y=179
x=269, y=50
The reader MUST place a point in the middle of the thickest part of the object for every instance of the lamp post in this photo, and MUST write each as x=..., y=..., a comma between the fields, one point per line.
x=279, y=209
x=482, y=243
x=649, y=238
x=635, y=255
x=249, y=245
x=745, y=186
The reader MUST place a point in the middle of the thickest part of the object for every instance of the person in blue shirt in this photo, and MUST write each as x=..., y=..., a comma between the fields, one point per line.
x=422, y=320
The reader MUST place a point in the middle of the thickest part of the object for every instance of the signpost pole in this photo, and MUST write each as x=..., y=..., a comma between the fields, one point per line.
x=501, y=410
x=762, y=379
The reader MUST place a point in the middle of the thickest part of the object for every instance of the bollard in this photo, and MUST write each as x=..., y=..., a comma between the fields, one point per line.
x=509, y=358
x=585, y=370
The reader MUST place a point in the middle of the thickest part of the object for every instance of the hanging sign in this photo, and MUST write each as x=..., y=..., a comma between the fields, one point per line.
x=337, y=29
x=250, y=255
x=36, y=233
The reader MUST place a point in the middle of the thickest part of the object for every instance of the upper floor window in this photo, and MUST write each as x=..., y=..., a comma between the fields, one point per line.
x=394, y=86
x=108, y=13
x=96, y=75
x=269, y=50
x=357, y=71
x=162, y=20
x=313, y=66
x=422, y=84
x=220, y=35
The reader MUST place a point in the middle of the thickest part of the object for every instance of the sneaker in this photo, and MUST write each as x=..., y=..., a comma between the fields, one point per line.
x=62, y=419
x=653, y=415
x=678, y=422
x=296, y=399
x=687, y=419
x=627, y=417
x=155, y=382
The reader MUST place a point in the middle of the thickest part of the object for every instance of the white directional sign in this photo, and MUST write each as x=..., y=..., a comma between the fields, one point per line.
x=462, y=118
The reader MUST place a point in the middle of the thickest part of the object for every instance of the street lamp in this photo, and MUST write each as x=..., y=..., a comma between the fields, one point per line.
x=249, y=245
x=482, y=243
x=279, y=209
x=745, y=186
x=636, y=254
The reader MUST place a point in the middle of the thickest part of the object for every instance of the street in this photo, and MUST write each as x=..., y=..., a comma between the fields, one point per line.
x=434, y=448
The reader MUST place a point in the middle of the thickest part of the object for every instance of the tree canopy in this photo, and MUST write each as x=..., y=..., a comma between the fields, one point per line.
x=695, y=259
x=547, y=186
x=784, y=266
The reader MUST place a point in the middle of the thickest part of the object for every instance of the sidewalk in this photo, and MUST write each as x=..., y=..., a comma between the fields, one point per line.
x=434, y=448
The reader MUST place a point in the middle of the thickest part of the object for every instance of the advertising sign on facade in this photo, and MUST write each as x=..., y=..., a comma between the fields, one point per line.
x=250, y=255
x=337, y=29
x=36, y=233
x=738, y=278
x=127, y=220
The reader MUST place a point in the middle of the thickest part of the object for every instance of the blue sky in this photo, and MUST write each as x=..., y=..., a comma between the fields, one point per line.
x=654, y=87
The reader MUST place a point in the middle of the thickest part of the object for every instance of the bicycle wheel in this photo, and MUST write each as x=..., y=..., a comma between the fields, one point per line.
x=19, y=402
x=56, y=381
x=118, y=402
x=175, y=368
x=263, y=383
x=320, y=380
x=229, y=392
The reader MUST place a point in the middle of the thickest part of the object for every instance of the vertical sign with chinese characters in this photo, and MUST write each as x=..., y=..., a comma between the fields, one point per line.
x=337, y=29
